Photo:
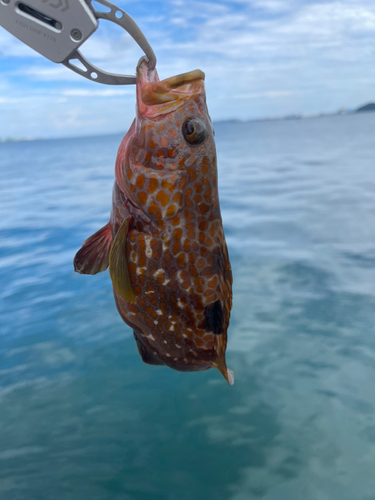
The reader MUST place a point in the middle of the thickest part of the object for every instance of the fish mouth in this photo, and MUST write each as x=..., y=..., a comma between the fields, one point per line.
x=157, y=97
x=172, y=89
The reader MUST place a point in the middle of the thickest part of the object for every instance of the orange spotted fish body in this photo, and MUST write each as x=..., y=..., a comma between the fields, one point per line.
x=164, y=243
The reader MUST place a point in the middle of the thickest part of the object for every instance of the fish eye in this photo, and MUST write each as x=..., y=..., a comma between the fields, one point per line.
x=194, y=131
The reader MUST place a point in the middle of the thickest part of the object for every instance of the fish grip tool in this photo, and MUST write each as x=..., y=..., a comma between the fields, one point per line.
x=57, y=28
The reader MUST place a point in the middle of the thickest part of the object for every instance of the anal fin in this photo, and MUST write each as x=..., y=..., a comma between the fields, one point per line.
x=147, y=355
x=93, y=257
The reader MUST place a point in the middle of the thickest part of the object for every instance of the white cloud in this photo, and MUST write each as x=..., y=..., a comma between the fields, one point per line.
x=269, y=94
x=9, y=100
x=261, y=58
x=54, y=113
x=271, y=5
x=97, y=93
x=50, y=72
x=12, y=47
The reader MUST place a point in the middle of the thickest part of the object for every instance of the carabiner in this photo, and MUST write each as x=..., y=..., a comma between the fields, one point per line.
x=122, y=19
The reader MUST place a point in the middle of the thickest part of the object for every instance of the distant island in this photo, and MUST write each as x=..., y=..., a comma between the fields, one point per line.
x=366, y=107
x=16, y=139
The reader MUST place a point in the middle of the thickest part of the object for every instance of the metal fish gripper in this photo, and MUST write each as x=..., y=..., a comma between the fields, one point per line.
x=57, y=28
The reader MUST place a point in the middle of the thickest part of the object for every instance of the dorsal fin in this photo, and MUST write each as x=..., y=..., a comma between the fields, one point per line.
x=118, y=264
x=93, y=257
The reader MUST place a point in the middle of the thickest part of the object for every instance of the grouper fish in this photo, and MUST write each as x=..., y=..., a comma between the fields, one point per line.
x=164, y=243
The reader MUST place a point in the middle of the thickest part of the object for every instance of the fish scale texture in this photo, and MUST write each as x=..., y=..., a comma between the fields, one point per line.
x=175, y=250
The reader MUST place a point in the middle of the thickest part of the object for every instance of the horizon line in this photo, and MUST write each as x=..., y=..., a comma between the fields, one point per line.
x=291, y=117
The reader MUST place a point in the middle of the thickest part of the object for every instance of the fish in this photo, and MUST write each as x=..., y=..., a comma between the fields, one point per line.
x=164, y=243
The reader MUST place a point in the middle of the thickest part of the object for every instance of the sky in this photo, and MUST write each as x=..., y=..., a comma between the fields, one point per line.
x=262, y=59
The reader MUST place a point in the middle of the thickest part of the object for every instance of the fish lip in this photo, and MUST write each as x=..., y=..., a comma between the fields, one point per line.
x=156, y=98
x=175, y=88
x=144, y=73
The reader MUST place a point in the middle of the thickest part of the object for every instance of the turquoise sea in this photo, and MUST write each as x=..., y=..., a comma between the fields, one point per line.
x=81, y=417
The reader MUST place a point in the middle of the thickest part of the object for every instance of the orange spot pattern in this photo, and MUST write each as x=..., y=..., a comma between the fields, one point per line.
x=177, y=257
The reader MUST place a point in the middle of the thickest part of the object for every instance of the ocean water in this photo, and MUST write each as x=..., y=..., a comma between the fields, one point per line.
x=81, y=417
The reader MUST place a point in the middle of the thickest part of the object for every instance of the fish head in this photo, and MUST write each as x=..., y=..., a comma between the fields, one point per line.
x=172, y=142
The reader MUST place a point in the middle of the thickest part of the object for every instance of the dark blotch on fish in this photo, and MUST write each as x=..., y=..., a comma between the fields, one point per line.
x=214, y=318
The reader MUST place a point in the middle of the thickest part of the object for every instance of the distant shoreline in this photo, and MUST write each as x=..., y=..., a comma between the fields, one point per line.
x=291, y=117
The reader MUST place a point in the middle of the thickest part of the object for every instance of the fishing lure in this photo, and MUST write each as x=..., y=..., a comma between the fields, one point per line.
x=164, y=243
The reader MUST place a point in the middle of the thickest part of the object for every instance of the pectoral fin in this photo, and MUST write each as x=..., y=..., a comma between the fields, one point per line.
x=93, y=257
x=118, y=264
